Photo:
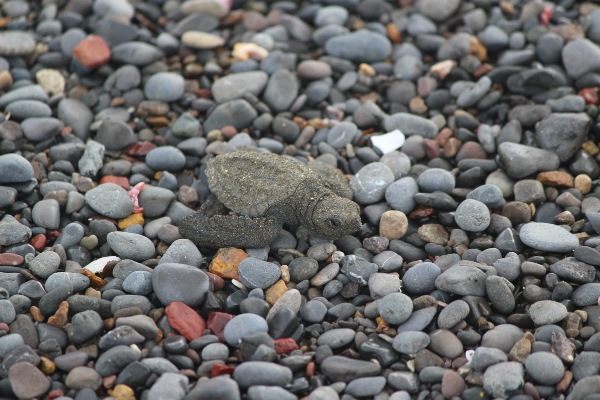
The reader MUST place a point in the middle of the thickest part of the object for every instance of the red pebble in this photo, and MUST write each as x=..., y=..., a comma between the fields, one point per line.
x=133, y=195
x=4, y=327
x=221, y=369
x=140, y=148
x=117, y=180
x=422, y=212
x=185, y=320
x=285, y=345
x=11, y=259
x=590, y=95
x=216, y=323
x=38, y=242
x=54, y=394
x=92, y=52
x=546, y=15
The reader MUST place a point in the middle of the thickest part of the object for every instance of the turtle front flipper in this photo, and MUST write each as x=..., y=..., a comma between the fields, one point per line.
x=207, y=228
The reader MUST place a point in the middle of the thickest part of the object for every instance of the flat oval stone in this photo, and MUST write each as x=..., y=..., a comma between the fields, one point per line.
x=255, y=273
x=253, y=373
x=360, y=46
x=164, y=86
x=243, y=325
x=16, y=43
x=234, y=86
x=546, y=312
x=344, y=369
x=410, y=124
x=166, y=158
x=110, y=200
x=548, y=237
x=179, y=282
x=15, y=168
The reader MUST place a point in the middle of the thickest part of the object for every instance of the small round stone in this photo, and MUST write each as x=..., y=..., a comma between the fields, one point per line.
x=27, y=381
x=410, y=342
x=164, y=86
x=243, y=325
x=395, y=308
x=545, y=367
x=436, y=179
x=337, y=338
x=453, y=313
x=255, y=273
x=472, y=216
x=110, y=200
x=167, y=158
x=131, y=245
x=420, y=278
x=370, y=183
x=179, y=282
x=393, y=224
x=546, y=312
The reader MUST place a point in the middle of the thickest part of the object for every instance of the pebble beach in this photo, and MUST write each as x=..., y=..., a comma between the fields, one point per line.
x=468, y=133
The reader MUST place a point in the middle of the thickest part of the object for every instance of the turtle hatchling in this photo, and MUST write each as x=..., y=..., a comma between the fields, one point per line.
x=265, y=191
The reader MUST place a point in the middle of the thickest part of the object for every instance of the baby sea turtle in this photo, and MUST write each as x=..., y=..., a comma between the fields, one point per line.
x=265, y=191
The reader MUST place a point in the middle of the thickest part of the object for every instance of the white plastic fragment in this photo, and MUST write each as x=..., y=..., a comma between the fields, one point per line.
x=389, y=141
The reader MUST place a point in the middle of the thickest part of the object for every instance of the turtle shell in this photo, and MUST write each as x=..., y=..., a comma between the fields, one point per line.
x=332, y=178
x=250, y=182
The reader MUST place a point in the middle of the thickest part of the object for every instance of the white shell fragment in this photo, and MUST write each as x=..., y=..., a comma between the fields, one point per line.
x=99, y=264
x=389, y=141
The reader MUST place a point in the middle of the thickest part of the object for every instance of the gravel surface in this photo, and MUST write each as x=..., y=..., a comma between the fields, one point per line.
x=467, y=132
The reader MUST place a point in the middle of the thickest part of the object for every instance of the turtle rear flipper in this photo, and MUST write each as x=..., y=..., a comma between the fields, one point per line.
x=212, y=227
x=229, y=231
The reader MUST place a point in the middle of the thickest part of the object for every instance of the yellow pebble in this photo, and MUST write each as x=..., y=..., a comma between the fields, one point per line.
x=133, y=219
x=47, y=366
x=122, y=392
x=583, y=183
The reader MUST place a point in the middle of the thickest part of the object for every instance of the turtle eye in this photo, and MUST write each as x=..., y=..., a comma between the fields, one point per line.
x=335, y=222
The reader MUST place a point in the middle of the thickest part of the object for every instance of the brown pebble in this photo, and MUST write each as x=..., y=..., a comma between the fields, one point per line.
x=95, y=280
x=451, y=147
x=452, y=384
x=529, y=389
x=426, y=358
x=471, y=150
x=229, y=131
x=187, y=195
x=565, y=218
x=393, y=224
x=273, y=293
x=522, y=349
x=61, y=316
x=556, y=178
x=517, y=212
x=477, y=49
x=432, y=149
x=433, y=233
x=36, y=314
x=225, y=262
x=417, y=105
x=565, y=382
x=393, y=33
x=6, y=80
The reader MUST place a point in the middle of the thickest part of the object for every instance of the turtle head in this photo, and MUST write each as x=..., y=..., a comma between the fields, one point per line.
x=334, y=216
